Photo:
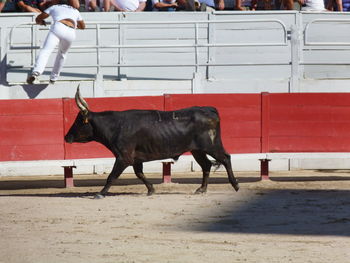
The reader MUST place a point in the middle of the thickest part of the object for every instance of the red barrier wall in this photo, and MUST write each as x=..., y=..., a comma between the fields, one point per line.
x=311, y=122
x=31, y=129
x=251, y=123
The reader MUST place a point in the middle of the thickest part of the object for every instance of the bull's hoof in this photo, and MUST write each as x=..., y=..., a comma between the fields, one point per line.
x=236, y=187
x=150, y=192
x=99, y=196
x=200, y=190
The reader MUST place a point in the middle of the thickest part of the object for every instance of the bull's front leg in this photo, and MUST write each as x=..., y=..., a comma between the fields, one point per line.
x=118, y=168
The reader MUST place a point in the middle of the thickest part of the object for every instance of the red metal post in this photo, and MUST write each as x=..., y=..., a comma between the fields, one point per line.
x=167, y=172
x=264, y=169
x=68, y=176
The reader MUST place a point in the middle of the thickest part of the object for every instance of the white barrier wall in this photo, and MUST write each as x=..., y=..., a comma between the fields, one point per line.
x=152, y=53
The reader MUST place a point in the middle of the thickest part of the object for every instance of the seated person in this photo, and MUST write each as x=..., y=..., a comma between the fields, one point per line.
x=2, y=4
x=246, y=5
x=39, y=5
x=312, y=5
x=164, y=5
x=98, y=5
x=28, y=5
x=168, y=5
x=338, y=5
x=128, y=5
x=208, y=5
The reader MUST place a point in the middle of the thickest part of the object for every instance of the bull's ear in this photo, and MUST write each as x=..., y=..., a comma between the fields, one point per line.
x=85, y=117
x=81, y=103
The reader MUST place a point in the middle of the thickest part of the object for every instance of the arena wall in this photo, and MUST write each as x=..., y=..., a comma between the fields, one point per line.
x=156, y=53
x=251, y=123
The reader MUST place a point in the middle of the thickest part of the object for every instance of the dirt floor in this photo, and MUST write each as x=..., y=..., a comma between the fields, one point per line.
x=291, y=218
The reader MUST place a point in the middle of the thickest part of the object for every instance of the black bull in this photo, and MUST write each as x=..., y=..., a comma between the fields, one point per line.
x=137, y=136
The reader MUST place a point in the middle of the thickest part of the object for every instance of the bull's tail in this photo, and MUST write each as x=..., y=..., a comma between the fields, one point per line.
x=216, y=165
x=231, y=178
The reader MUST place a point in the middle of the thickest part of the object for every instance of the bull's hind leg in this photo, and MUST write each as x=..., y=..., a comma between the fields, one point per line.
x=205, y=164
x=138, y=169
x=224, y=158
x=118, y=168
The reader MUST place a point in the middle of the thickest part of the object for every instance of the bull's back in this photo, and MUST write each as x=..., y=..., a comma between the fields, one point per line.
x=171, y=133
x=194, y=114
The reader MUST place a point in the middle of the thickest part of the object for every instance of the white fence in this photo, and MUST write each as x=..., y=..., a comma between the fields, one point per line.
x=151, y=53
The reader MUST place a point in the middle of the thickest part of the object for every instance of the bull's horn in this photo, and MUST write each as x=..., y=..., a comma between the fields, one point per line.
x=81, y=103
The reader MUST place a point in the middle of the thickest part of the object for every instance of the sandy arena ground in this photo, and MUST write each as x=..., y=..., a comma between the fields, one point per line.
x=288, y=219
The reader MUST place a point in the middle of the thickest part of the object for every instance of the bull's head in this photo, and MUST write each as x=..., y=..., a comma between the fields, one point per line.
x=81, y=130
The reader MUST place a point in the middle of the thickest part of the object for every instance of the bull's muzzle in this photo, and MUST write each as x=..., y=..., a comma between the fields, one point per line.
x=68, y=138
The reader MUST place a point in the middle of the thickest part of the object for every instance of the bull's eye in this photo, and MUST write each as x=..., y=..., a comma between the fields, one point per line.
x=86, y=120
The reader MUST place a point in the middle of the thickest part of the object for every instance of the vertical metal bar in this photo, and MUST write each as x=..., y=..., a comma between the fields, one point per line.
x=119, y=47
x=98, y=82
x=196, y=46
x=98, y=58
x=295, y=58
x=211, y=50
x=122, y=71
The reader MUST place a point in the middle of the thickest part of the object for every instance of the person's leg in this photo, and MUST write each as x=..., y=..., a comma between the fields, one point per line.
x=288, y=4
x=106, y=5
x=41, y=60
x=2, y=4
x=66, y=36
x=50, y=43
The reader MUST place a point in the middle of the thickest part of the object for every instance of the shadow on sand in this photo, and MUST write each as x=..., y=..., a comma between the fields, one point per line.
x=287, y=211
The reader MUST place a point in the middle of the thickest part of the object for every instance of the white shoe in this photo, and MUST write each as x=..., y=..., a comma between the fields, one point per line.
x=33, y=79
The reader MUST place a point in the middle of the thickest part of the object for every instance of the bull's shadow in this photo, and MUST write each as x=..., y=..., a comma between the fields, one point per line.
x=294, y=212
x=100, y=182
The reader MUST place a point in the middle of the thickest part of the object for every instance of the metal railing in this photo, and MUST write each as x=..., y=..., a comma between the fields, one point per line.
x=324, y=44
x=118, y=25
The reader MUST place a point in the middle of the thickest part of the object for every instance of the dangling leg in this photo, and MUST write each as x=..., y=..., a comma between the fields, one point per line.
x=60, y=58
x=118, y=168
x=221, y=156
x=66, y=36
x=205, y=164
x=50, y=43
x=139, y=173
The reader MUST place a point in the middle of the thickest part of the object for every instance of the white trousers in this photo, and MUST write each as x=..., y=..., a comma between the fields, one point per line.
x=63, y=36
